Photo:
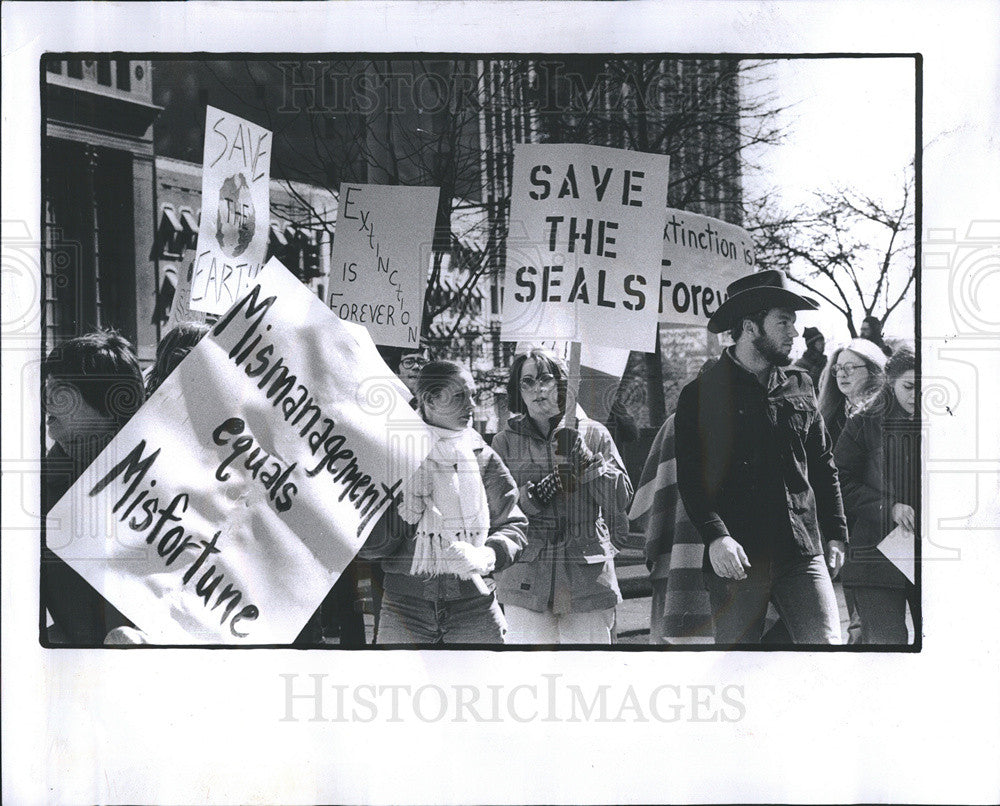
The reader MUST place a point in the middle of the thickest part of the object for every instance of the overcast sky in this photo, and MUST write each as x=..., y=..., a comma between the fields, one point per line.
x=851, y=124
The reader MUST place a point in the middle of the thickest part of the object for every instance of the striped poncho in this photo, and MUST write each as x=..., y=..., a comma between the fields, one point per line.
x=674, y=549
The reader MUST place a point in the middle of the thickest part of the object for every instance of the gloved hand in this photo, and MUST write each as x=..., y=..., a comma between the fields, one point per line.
x=544, y=490
x=468, y=559
x=572, y=450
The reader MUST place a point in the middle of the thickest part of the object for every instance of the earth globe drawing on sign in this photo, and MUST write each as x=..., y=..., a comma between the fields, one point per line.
x=236, y=220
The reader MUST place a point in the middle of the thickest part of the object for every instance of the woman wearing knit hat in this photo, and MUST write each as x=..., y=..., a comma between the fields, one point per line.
x=813, y=360
x=853, y=375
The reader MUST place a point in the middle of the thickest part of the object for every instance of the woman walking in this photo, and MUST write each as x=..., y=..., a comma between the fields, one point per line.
x=458, y=523
x=880, y=477
x=575, y=491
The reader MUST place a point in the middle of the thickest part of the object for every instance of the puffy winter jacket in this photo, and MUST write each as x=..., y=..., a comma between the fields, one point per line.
x=568, y=563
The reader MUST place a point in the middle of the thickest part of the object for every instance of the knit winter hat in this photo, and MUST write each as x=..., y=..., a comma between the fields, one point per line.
x=811, y=334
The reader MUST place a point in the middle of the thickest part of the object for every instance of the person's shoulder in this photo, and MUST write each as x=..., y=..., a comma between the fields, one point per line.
x=798, y=381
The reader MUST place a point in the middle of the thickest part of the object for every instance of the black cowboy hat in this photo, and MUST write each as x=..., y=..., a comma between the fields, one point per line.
x=757, y=292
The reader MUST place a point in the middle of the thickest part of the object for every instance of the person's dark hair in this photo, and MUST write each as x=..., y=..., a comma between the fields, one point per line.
x=434, y=377
x=757, y=318
x=902, y=360
x=874, y=326
x=104, y=368
x=173, y=347
x=546, y=362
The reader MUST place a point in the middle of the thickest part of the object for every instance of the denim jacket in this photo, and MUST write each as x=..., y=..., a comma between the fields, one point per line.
x=756, y=463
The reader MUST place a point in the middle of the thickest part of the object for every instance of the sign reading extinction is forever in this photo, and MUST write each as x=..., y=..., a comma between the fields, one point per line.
x=227, y=507
x=235, y=211
x=584, y=245
x=701, y=256
x=381, y=256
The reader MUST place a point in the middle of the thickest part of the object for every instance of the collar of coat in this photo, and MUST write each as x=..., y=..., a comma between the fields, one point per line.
x=789, y=381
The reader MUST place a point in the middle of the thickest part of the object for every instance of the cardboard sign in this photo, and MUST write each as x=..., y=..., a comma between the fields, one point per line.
x=180, y=308
x=225, y=510
x=899, y=548
x=381, y=257
x=584, y=245
x=235, y=211
x=701, y=257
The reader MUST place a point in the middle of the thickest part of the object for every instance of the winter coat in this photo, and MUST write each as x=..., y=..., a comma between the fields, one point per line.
x=393, y=540
x=877, y=456
x=813, y=363
x=80, y=614
x=568, y=564
x=756, y=463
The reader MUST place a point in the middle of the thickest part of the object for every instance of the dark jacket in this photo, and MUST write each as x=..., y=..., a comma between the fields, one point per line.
x=393, y=540
x=813, y=363
x=757, y=464
x=568, y=564
x=80, y=614
x=877, y=456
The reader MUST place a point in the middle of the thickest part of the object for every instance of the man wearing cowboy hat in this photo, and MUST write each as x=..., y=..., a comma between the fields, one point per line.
x=755, y=471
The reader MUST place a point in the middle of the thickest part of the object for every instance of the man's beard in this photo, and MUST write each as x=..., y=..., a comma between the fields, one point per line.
x=770, y=352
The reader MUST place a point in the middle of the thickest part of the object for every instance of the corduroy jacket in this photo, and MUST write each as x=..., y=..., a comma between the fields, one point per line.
x=756, y=463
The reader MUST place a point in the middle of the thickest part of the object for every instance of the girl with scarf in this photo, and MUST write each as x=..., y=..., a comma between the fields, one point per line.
x=458, y=523
x=878, y=460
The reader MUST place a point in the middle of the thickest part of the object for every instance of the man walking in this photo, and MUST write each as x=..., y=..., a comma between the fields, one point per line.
x=755, y=471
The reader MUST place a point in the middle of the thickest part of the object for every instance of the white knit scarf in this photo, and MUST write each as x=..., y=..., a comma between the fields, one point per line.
x=448, y=501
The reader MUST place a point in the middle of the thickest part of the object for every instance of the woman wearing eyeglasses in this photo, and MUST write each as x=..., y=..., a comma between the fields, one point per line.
x=877, y=457
x=575, y=492
x=852, y=377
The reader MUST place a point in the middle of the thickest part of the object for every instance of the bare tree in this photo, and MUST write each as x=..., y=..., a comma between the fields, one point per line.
x=862, y=247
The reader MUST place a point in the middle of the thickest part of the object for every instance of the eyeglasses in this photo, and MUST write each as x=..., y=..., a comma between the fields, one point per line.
x=542, y=382
x=847, y=369
x=412, y=361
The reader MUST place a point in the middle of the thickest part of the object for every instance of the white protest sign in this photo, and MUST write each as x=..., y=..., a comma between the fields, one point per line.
x=584, y=245
x=180, y=308
x=381, y=256
x=899, y=548
x=227, y=507
x=235, y=211
x=701, y=256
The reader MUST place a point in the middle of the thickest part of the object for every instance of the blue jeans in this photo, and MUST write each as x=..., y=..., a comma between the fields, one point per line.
x=412, y=620
x=802, y=594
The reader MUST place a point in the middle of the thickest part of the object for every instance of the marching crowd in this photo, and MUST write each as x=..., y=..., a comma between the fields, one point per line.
x=783, y=478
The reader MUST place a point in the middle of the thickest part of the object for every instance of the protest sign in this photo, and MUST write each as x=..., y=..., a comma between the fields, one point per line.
x=180, y=308
x=235, y=211
x=227, y=507
x=899, y=548
x=381, y=256
x=584, y=245
x=701, y=256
